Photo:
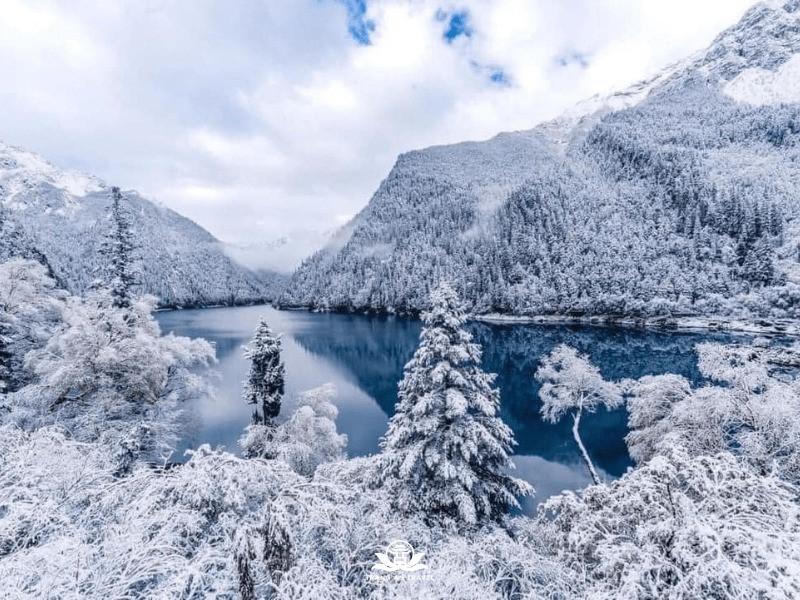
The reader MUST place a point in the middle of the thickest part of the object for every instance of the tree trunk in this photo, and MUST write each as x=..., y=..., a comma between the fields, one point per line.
x=576, y=421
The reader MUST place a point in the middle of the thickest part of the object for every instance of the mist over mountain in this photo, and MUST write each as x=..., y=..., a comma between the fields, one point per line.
x=679, y=195
x=282, y=255
x=59, y=217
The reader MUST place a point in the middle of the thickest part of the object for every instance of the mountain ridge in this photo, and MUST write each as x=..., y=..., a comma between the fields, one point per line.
x=663, y=162
x=58, y=216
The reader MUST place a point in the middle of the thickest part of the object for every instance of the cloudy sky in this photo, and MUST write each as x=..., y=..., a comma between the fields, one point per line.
x=260, y=118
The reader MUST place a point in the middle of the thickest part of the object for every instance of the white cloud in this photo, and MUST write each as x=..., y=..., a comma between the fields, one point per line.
x=260, y=117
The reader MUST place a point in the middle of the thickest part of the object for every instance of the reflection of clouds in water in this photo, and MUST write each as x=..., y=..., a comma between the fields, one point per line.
x=221, y=419
x=359, y=415
x=364, y=356
x=551, y=478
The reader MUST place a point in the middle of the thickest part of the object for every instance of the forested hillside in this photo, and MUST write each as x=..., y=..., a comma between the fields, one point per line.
x=60, y=218
x=679, y=196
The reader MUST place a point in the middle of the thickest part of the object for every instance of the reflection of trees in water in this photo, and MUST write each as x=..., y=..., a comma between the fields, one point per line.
x=227, y=345
x=618, y=352
x=375, y=350
x=514, y=351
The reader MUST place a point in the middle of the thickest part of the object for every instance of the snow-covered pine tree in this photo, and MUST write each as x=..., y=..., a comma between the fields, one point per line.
x=5, y=351
x=758, y=267
x=244, y=555
x=117, y=251
x=265, y=381
x=446, y=451
x=572, y=384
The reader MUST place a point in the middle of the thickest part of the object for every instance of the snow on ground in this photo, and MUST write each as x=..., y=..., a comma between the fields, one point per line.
x=760, y=87
x=21, y=166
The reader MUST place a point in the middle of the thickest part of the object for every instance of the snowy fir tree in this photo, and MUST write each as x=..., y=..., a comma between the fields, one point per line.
x=446, y=451
x=117, y=250
x=572, y=384
x=5, y=351
x=265, y=380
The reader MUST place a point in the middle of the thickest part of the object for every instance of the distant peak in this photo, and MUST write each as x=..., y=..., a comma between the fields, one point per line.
x=20, y=168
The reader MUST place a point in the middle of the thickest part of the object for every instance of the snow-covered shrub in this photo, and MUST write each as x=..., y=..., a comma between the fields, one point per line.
x=752, y=411
x=513, y=561
x=309, y=438
x=306, y=439
x=30, y=311
x=70, y=528
x=650, y=405
x=108, y=374
x=682, y=527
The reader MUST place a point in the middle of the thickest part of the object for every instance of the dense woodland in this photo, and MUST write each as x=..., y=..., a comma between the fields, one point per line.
x=641, y=215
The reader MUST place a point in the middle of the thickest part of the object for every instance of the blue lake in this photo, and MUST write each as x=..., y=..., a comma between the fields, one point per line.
x=364, y=357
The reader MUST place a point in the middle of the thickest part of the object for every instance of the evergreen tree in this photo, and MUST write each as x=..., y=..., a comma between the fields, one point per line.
x=758, y=267
x=446, y=451
x=244, y=555
x=5, y=352
x=265, y=381
x=117, y=250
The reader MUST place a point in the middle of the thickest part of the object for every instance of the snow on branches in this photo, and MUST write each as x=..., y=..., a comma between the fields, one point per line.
x=264, y=385
x=107, y=374
x=446, y=450
x=753, y=410
x=571, y=384
x=682, y=527
x=307, y=439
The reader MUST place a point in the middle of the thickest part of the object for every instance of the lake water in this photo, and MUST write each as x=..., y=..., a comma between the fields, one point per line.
x=364, y=357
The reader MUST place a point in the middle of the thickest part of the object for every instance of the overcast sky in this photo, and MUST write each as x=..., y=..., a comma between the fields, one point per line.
x=259, y=118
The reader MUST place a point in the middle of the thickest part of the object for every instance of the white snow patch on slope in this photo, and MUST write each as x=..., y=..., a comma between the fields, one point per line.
x=760, y=87
x=77, y=184
x=20, y=166
x=626, y=98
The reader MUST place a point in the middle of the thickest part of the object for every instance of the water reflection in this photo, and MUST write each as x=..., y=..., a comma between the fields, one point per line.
x=364, y=357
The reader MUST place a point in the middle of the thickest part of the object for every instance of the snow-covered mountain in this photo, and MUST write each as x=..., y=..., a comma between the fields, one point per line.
x=60, y=217
x=678, y=195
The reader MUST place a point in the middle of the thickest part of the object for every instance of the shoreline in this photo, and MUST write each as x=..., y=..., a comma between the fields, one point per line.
x=170, y=308
x=731, y=325
x=780, y=327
